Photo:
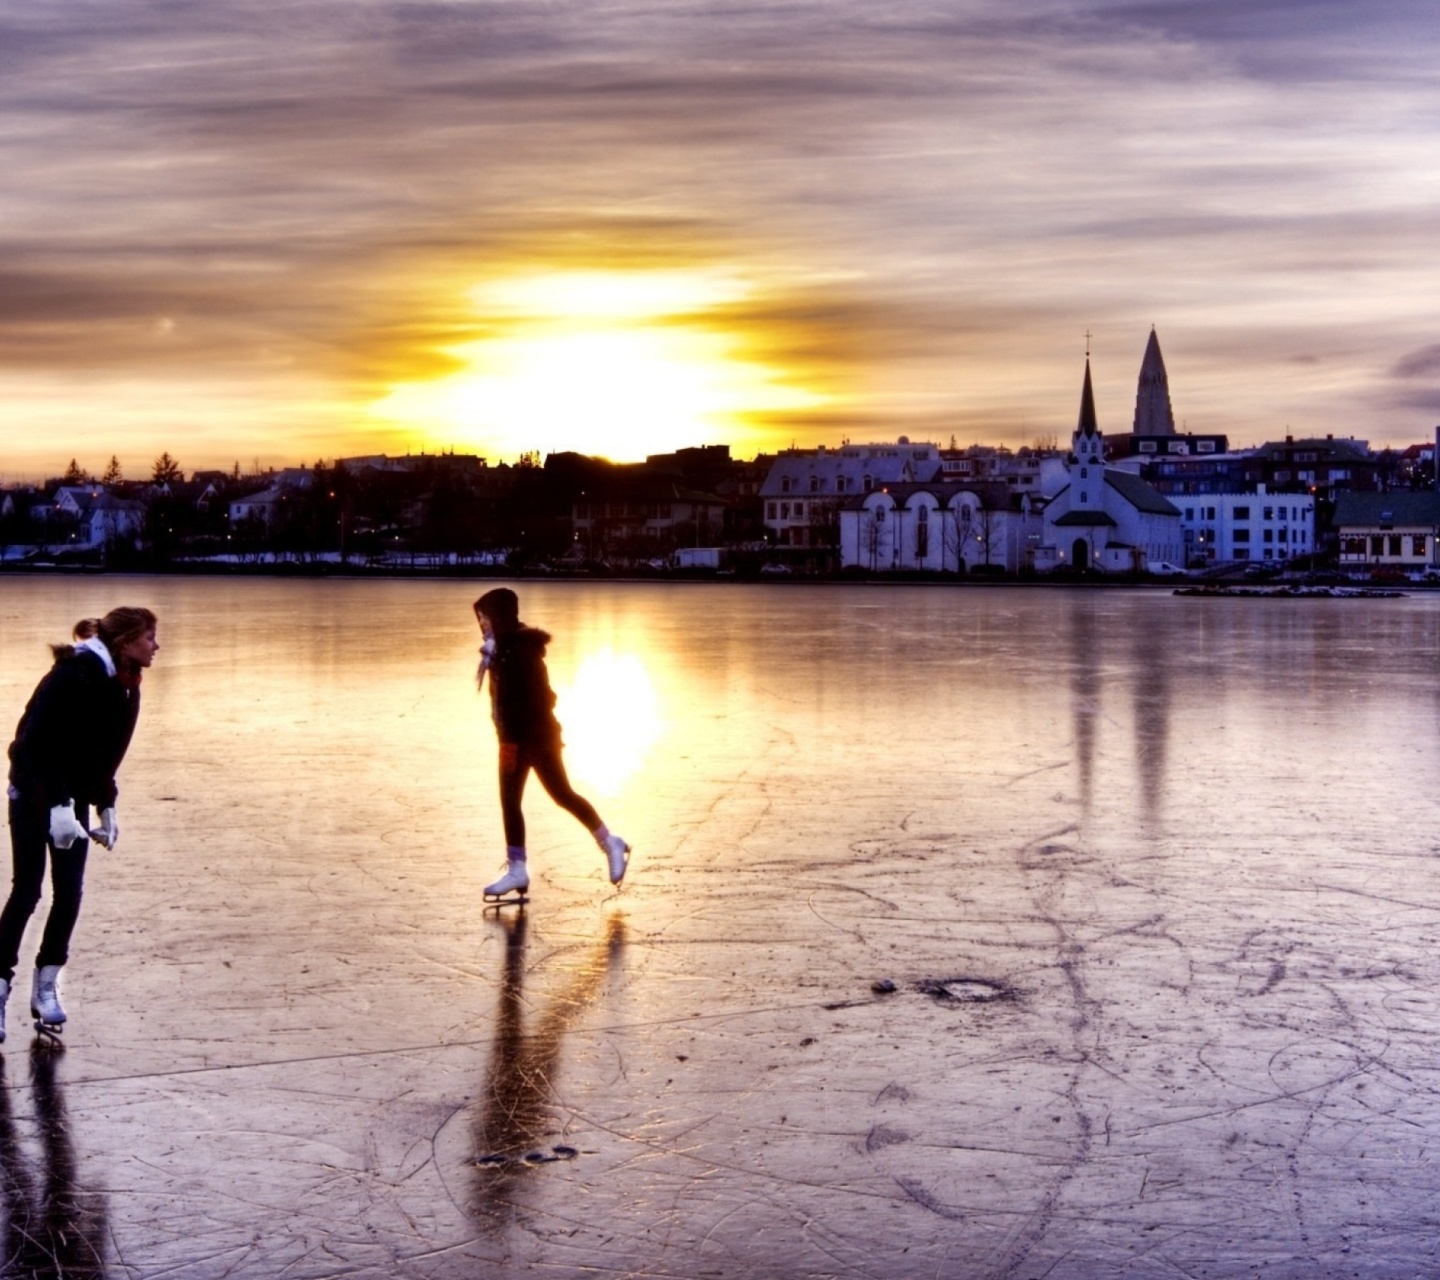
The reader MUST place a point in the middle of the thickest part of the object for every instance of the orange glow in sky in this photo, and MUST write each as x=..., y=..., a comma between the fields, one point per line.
x=618, y=363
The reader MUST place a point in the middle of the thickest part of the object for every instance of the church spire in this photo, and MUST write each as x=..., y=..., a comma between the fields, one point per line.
x=1087, y=425
x=1153, y=415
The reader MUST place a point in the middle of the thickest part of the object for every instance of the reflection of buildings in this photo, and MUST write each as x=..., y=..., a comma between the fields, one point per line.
x=1092, y=676
x=53, y=1227
x=519, y=1096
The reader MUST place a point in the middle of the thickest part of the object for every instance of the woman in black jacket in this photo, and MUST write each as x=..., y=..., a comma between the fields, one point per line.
x=523, y=708
x=68, y=745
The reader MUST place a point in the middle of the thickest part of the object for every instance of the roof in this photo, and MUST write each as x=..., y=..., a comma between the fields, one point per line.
x=900, y=463
x=1140, y=494
x=1087, y=519
x=1327, y=450
x=993, y=495
x=1417, y=507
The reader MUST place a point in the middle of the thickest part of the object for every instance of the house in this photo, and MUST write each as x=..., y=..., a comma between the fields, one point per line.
x=634, y=514
x=1105, y=518
x=940, y=526
x=106, y=518
x=1391, y=530
x=805, y=488
x=263, y=508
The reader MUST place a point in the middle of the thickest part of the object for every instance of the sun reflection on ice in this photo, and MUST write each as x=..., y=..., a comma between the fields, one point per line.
x=611, y=715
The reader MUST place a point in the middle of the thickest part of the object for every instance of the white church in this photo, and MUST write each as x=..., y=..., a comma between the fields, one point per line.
x=1104, y=518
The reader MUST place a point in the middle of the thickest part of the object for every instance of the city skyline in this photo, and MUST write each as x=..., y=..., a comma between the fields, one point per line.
x=243, y=233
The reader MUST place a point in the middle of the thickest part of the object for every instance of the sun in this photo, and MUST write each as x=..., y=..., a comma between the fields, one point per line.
x=618, y=363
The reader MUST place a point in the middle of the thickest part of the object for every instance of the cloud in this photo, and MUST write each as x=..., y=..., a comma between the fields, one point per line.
x=1424, y=363
x=935, y=202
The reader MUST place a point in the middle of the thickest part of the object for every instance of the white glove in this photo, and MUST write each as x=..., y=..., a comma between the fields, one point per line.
x=487, y=653
x=64, y=828
x=109, y=830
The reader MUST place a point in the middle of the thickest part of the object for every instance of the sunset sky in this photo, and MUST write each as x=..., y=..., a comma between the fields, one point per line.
x=269, y=233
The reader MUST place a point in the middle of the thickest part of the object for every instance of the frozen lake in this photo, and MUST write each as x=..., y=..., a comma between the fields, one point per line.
x=1154, y=878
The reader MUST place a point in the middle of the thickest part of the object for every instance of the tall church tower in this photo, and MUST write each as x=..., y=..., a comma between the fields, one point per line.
x=1087, y=474
x=1153, y=415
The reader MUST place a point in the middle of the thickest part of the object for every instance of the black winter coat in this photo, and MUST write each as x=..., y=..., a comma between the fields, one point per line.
x=522, y=703
x=73, y=734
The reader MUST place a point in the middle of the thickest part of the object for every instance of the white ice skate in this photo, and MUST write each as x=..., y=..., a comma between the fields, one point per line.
x=618, y=852
x=510, y=888
x=45, y=1001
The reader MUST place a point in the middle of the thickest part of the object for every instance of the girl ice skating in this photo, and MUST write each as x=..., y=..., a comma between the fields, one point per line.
x=523, y=708
x=68, y=745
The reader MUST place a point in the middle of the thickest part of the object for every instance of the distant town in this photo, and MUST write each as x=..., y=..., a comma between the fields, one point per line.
x=1149, y=502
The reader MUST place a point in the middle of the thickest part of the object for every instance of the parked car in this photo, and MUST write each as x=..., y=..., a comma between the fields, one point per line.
x=1164, y=569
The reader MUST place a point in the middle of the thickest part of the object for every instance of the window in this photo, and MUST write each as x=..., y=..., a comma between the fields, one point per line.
x=814, y=484
x=922, y=533
x=1268, y=513
x=1241, y=535
x=1282, y=477
x=1084, y=472
x=869, y=483
x=784, y=511
x=1189, y=513
x=1284, y=535
x=799, y=511
x=1377, y=544
x=1204, y=446
x=1242, y=513
x=1395, y=541
x=1417, y=544
x=770, y=511
x=786, y=484
x=879, y=515
x=1242, y=553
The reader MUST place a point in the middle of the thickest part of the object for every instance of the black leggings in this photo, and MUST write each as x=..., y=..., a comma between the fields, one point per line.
x=517, y=759
x=29, y=843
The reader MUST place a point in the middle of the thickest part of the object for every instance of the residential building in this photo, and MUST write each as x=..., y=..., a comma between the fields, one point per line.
x=1390, y=530
x=1260, y=526
x=806, y=487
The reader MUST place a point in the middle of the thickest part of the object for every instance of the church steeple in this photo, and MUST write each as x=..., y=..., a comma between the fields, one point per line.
x=1087, y=425
x=1153, y=415
x=1087, y=444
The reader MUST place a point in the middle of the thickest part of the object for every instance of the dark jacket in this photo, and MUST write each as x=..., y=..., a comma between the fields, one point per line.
x=73, y=734
x=521, y=701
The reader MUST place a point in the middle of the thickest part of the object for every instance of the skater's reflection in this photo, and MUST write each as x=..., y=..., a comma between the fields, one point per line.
x=516, y=1116
x=53, y=1226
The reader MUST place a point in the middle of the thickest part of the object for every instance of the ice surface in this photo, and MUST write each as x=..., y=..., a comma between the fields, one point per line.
x=1154, y=880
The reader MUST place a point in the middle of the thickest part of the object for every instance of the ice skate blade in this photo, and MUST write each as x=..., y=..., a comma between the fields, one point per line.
x=494, y=901
x=47, y=1034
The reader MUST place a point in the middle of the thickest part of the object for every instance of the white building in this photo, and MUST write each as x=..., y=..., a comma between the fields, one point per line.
x=1221, y=527
x=805, y=488
x=939, y=527
x=1105, y=518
